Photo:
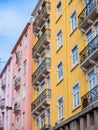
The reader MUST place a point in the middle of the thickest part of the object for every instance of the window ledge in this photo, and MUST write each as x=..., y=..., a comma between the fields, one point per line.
x=58, y=18
x=59, y=49
x=73, y=31
x=70, y=2
x=59, y=120
x=74, y=67
x=59, y=81
x=74, y=109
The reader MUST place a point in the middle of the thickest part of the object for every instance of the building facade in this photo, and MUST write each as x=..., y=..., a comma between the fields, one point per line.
x=73, y=71
x=40, y=107
x=18, y=92
x=6, y=95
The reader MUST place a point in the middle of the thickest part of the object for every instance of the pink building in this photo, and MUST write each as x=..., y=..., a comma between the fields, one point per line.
x=21, y=93
x=6, y=95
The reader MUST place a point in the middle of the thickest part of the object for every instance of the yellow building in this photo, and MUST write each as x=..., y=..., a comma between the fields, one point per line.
x=65, y=77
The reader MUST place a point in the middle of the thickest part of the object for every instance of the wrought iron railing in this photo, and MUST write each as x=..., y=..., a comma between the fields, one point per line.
x=17, y=81
x=46, y=127
x=89, y=49
x=16, y=106
x=46, y=63
x=1, y=124
x=3, y=82
x=87, y=10
x=46, y=34
x=18, y=55
x=46, y=7
x=90, y=97
x=46, y=94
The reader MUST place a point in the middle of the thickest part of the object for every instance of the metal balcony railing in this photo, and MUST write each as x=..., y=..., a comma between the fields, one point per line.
x=45, y=36
x=2, y=103
x=44, y=9
x=17, y=81
x=18, y=55
x=3, y=83
x=46, y=94
x=87, y=10
x=43, y=66
x=17, y=106
x=1, y=124
x=90, y=97
x=89, y=49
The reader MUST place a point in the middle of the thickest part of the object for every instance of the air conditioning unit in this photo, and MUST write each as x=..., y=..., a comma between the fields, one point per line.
x=58, y=122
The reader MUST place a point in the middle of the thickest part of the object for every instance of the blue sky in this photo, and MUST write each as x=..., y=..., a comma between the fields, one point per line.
x=14, y=14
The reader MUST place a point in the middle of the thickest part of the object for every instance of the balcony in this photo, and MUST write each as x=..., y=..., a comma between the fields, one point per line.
x=18, y=56
x=42, y=42
x=42, y=101
x=2, y=103
x=1, y=124
x=17, y=107
x=90, y=97
x=46, y=127
x=3, y=83
x=88, y=15
x=42, y=16
x=89, y=54
x=41, y=72
x=17, y=82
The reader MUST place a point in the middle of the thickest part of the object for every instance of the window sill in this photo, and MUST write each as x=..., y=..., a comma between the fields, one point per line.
x=59, y=120
x=70, y=2
x=74, y=109
x=74, y=67
x=59, y=49
x=73, y=32
x=58, y=18
x=59, y=81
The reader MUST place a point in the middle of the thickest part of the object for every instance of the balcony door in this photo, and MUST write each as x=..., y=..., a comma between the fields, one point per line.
x=90, y=42
x=93, y=89
x=42, y=121
x=92, y=80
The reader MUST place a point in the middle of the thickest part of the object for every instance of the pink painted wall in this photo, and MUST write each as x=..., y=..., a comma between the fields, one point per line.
x=24, y=43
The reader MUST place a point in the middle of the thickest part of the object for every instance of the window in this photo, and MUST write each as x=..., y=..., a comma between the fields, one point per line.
x=43, y=86
x=17, y=123
x=23, y=119
x=59, y=9
x=37, y=124
x=96, y=26
x=91, y=78
x=75, y=55
x=25, y=66
x=76, y=95
x=43, y=120
x=24, y=90
x=73, y=21
x=60, y=108
x=59, y=39
x=89, y=36
x=18, y=96
x=60, y=71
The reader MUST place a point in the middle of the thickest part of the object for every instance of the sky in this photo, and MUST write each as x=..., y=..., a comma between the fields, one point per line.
x=14, y=15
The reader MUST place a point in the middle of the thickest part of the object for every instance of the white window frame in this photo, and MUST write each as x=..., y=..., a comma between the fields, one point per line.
x=76, y=101
x=73, y=24
x=59, y=39
x=74, y=55
x=59, y=71
x=60, y=108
